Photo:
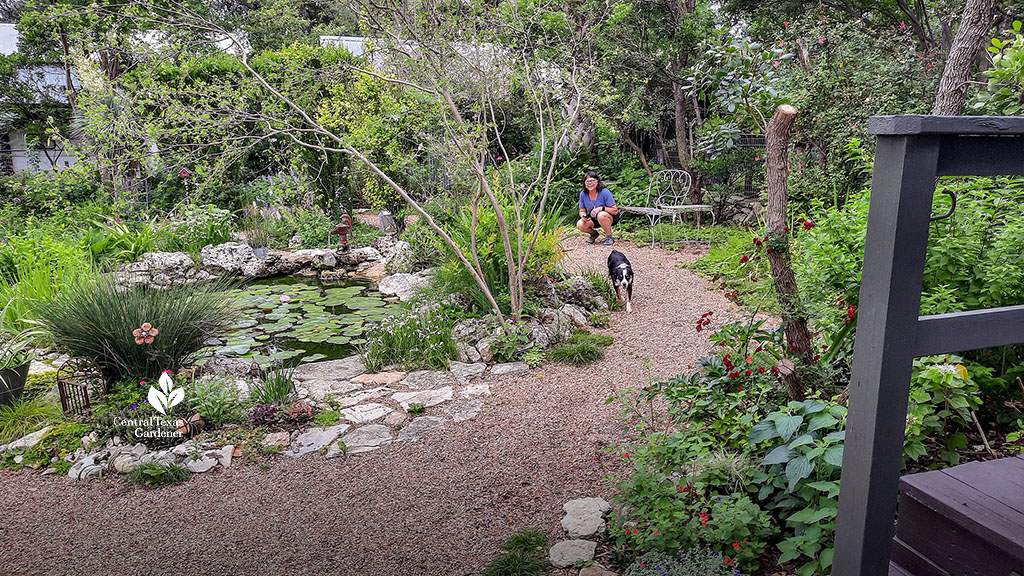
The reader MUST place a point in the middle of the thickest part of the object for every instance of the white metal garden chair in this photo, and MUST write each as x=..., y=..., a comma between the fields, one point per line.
x=668, y=196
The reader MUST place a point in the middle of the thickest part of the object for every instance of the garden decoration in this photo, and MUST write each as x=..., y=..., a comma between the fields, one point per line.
x=388, y=224
x=74, y=379
x=912, y=152
x=344, y=232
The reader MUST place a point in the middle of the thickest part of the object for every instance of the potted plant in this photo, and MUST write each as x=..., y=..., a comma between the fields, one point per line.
x=15, y=356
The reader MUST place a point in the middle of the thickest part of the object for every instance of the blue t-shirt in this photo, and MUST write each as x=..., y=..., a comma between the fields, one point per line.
x=604, y=198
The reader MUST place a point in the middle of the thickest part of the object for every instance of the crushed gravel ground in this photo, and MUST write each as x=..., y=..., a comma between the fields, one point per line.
x=440, y=506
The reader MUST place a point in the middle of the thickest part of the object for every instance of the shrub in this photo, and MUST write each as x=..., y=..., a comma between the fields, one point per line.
x=121, y=241
x=199, y=226
x=507, y=345
x=804, y=443
x=942, y=395
x=25, y=415
x=274, y=386
x=533, y=357
x=156, y=475
x=216, y=400
x=693, y=562
x=412, y=340
x=98, y=321
x=581, y=337
x=426, y=247
x=522, y=555
x=598, y=320
x=313, y=225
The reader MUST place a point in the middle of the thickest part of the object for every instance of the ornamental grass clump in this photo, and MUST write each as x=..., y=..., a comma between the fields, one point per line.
x=412, y=341
x=139, y=331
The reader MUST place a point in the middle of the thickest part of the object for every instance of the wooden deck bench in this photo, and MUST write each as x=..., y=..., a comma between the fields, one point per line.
x=668, y=197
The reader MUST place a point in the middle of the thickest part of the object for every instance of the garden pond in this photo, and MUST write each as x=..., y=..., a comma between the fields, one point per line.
x=294, y=319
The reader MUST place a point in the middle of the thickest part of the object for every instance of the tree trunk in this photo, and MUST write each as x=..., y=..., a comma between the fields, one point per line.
x=963, y=54
x=624, y=132
x=798, y=336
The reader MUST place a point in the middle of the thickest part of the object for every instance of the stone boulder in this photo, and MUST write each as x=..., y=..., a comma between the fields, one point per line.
x=578, y=291
x=568, y=553
x=405, y=286
x=236, y=259
x=401, y=260
x=160, y=270
x=28, y=441
x=584, y=517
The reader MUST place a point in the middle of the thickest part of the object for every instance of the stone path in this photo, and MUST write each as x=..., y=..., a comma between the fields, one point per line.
x=436, y=506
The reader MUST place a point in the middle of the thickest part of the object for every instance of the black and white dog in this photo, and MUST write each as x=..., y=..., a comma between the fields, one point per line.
x=621, y=274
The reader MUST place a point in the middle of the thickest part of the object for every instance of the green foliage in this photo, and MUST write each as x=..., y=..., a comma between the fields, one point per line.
x=523, y=554
x=427, y=248
x=1005, y=86
x=533, y=357
x=327, y=418
x=579, y=353
x=508, y=345
x=274, y=386
x=48, y=191
x=411, y=340
x=583, y=337
x=737, y=265
x=599, y=281
x=942, y=395
x=416, y=408
x=96, y=319
x=121, y=241
x=58, y=442
x=453, y=278
x=692, y=562
x=598, y=320
x=25, y=415
x=804, y=444
x=216, y=400
x=153, y=475
x=198, y=226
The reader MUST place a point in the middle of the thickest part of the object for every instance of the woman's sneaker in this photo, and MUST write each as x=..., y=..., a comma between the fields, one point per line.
x=593, y=237
x=608, y=241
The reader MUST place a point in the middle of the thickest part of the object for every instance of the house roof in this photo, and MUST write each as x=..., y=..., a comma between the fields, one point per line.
x=8, y=39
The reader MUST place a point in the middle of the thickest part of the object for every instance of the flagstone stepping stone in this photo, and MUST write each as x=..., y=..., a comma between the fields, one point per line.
x=28, y=441
x=343, y=369
x=275, y=439
x=565, y=554
x=466, y=372
x=509, y=368
x=478, y=389
x=396, y=420
x=365, y=413
x=362, y=396
x=380, y=378
x=584, y=517
x=428, y=379
x=418, y=427
x=200, y=465
x=464, y=410
x=363, y=439
x=318, y=389
x=596, y=571
x=425, y=397
x=314, y=439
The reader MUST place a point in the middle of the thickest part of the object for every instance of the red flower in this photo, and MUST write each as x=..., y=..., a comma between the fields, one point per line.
x=850, y=311
x=748, y=372
x=757, y=242
x=626, y=455
x=750, y=360
x=635, y=531
x=734, y=374
x=744, y=258
x=808, y=225
x=770, y=250
x=760, y=370
x=736, y=545
x=728, y=561
x=740, y=389
x=656, y=532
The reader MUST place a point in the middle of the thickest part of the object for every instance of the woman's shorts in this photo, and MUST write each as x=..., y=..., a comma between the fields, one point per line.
x=615, y=220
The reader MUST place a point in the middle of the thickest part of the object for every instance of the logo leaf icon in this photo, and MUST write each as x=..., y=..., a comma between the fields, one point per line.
x=175, y=397
x=158, y=400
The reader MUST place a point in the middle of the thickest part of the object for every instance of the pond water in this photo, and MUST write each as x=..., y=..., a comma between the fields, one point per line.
x=294, y=319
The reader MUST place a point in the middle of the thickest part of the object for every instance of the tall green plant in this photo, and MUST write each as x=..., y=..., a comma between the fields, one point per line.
x=100, y=321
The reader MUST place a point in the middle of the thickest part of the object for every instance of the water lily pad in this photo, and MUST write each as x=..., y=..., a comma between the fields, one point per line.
x=313, y=357
x=235, y=350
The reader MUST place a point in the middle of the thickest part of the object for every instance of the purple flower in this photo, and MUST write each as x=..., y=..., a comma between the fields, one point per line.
x=133, y=407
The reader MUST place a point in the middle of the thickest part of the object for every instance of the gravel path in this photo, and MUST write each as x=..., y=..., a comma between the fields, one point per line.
x=437, y=507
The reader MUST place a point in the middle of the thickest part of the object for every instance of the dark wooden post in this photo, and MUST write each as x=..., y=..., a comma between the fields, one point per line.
x=911, y=152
